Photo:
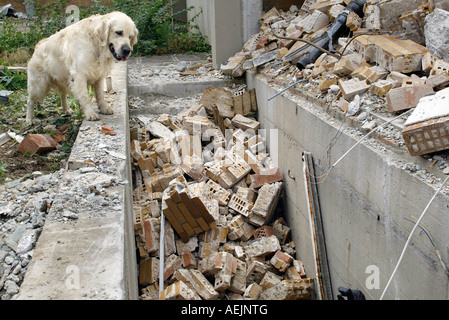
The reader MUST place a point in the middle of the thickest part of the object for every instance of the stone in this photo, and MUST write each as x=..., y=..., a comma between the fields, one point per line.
x=436, y=32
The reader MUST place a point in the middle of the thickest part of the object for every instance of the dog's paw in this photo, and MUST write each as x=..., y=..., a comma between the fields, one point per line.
x=105, y=108
x=91, y=116
x=68, y=111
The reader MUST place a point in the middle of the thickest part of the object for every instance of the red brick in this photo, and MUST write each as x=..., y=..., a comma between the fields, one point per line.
x=289, y=43
x=37, y=143
x=266, y=176
x=403, y=98
x=108, y=131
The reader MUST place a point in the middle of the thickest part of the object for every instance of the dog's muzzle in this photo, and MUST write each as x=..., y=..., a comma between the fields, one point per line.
x=124, y=52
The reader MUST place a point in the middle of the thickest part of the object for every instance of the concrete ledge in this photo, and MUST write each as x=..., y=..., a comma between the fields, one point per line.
x=86, y=249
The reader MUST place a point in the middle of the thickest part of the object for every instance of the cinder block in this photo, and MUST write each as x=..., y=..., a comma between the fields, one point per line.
x=269, y=280
x=266, y=176
x=238, y=281
x=281, y=260
x=37, y=143
x=197, y=282
x=244, y=123
x=240, y=205
x=351, y=88
x=404, y=98
x=265, y=204
x=179, y=291
x=262, y=247
x=172, y=263
x=252, y=291
x=427, y=128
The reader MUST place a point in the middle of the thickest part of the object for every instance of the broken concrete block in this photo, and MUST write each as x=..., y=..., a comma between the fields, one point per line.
x=238, y=281
x=347, y=65
x=244, y=123
x=353, y=21
x=325, y=84
x=189, y=246
x=171, y=264
x=239, y=229
x=221, y=194
x=281, y=230
x=381, y=87
x=292, y=274
x=240, y=205
x=217, y=234
x=289, y=290
x=425, y=130
x=265, y=204
x=37, y=143
x=252, y=292
x=189, y=261
x=269, y=280
x=299, y=266
x=396, y=78
x=390, y=53
x=256, y=271
x=351, y=88
x=315, y=22
x=179, y=291
x=403, y=98
x=197, y=282
x=436, y=32
x=262, y=247
x=281, y=260
x=221, y=97
x=148, y=271
x=266, y=176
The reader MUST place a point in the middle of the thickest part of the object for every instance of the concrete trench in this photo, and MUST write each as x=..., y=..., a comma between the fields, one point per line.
x=364, y=201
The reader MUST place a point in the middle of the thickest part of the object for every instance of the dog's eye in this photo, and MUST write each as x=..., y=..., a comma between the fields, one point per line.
x=120, y=33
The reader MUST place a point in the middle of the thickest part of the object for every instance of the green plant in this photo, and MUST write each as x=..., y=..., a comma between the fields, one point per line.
x=3, y=166
x=12, y=79
x=160, y=29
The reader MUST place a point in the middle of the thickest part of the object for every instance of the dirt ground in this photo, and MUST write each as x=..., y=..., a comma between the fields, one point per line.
x=18, y=165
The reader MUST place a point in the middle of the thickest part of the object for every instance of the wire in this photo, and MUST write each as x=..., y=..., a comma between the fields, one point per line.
x=410, y=236
x=325, y=174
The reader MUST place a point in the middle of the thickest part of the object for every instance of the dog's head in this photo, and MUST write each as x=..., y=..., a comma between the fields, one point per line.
x=117, y=31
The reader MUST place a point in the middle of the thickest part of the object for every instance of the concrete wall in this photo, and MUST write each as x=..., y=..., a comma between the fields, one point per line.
x=365, y=201
x=227, y=24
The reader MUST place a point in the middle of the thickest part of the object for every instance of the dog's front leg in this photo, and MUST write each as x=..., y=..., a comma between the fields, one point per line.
x=79, y=90
x=104, y=107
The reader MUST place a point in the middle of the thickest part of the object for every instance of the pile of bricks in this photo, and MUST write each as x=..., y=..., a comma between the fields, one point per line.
x=218, y=190
x=395, y=70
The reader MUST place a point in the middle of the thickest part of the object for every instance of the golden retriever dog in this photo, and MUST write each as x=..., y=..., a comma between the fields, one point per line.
x=79, y=55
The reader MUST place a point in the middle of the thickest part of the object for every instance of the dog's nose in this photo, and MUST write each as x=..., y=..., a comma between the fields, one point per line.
x=126, y=50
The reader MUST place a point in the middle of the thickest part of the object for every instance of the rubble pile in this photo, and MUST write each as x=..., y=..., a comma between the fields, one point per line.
x=377, y=59
x=206, y=176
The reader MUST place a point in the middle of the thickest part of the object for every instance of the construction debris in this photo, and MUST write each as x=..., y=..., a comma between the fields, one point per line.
x=219, y=191
x=365, y=59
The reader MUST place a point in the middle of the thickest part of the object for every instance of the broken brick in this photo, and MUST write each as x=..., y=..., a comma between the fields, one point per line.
x=407, y=97
x=37, y=143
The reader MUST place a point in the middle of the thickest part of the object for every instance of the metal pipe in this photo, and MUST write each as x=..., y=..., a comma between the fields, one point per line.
x=161, y=255
x=334, y=31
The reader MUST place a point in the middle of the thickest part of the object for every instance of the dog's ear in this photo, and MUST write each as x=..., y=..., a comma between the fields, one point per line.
x=134, y=39
x=101, y=31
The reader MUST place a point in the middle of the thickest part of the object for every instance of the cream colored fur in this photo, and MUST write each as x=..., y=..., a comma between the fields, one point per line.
x=77, y=56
